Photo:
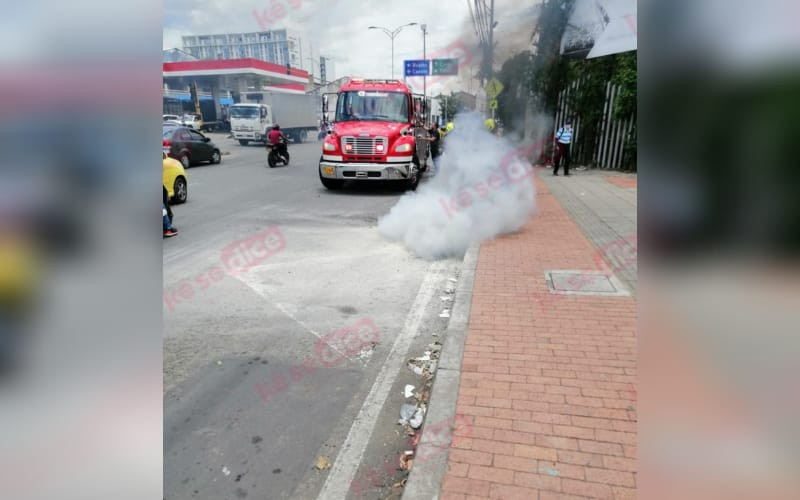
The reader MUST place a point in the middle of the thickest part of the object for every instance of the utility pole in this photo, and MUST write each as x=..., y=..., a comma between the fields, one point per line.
x=489, y=67
x=491, y=42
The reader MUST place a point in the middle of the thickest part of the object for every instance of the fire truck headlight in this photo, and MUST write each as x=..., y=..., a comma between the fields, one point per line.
x=327, y=146
x=403, y=148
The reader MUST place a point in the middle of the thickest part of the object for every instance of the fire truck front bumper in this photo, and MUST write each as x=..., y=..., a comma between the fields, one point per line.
x=397, y=169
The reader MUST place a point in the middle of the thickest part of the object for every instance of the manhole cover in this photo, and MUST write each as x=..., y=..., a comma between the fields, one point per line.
x=578, y=282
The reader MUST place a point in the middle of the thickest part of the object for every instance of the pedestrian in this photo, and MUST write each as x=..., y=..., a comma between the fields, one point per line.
x=435, y=139
x=489, y=124
x=166, y=215
x=226, y=118
x=563, y=142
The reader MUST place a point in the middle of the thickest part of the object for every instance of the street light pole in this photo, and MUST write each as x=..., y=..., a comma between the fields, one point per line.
x=391, y=34
x=424, y=28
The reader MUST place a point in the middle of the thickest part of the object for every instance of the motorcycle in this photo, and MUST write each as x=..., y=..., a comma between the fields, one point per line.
x=275, y=157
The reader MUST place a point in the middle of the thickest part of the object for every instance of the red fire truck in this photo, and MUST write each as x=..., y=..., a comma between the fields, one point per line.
x=377, y=135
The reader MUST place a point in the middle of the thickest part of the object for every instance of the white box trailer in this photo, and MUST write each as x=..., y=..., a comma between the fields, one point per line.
x=295, y=113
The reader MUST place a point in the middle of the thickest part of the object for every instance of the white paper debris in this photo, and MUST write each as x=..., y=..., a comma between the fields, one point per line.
x=406, y=413
x=409, y=391
x=416, y=421
x=416, y=369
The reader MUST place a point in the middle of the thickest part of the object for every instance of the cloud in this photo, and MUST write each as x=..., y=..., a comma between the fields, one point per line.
x=338, y=28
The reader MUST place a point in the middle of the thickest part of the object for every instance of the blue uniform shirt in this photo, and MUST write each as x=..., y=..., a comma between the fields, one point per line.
x=564, y=135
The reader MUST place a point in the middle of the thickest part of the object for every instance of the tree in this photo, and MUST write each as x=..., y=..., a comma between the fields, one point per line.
x=514, y=75
x=548, y=70
x=450, y=105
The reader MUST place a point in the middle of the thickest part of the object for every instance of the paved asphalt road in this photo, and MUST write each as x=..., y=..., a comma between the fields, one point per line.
x=233, y=428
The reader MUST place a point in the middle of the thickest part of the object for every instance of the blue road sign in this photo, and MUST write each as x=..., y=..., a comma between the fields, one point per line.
x=417, y=67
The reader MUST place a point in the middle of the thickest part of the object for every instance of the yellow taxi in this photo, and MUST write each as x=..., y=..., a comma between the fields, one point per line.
x=19, y=264
x=175, y=180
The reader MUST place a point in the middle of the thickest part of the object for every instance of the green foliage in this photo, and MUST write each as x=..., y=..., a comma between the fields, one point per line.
x=514, y=76
x=548, y=70
x=544, y=74
x=588, y=100
x=625, y=77
x=450, y=105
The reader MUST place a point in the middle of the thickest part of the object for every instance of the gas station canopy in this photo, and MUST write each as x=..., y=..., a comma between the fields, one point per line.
x=275, y=74
x=235, y=75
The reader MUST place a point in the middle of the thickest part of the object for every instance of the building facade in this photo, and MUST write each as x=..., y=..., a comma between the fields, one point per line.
x=275, y=46
x=176, y=55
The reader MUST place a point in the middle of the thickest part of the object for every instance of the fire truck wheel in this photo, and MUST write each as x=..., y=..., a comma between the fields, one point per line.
x=413, y=180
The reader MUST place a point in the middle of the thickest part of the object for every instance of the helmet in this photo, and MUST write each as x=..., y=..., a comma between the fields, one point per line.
x=276, y=127
x=449, y=127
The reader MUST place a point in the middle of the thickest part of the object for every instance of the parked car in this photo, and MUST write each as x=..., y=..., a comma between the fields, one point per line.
x=175, y=180
x=192, y=121
x=189, y=146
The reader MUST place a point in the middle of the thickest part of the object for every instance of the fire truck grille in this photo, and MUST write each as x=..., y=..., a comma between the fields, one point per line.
x=364, y=145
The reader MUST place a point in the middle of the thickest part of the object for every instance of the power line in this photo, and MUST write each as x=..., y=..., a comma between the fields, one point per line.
x=472, y=15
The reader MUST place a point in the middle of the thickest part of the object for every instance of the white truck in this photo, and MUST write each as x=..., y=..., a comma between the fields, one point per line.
x=295, y=113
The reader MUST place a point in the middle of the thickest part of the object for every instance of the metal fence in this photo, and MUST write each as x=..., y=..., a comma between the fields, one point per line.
x=609, y=146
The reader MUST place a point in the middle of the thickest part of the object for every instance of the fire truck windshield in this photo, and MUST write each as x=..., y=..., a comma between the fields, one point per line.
x=365, y=105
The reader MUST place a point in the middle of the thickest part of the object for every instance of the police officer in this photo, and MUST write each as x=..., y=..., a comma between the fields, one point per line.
x=563, y=142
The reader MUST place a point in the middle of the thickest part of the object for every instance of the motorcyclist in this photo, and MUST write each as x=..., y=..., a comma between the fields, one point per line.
x=278, y=139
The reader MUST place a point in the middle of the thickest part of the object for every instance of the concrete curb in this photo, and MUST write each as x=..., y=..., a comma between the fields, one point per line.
x=427, y=475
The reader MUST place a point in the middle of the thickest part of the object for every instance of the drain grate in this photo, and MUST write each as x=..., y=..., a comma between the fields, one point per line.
x=580, y=282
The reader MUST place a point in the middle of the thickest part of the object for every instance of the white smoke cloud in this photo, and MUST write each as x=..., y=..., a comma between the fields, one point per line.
x=483, y=190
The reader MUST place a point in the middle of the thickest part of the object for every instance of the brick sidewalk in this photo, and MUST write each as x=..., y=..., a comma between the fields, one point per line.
x=550, y=391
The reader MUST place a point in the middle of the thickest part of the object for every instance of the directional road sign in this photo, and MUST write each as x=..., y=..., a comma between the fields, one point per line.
x=445, y=67
x=417, y=67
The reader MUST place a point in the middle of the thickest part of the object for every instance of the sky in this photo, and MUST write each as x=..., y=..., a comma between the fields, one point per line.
x=338, y=29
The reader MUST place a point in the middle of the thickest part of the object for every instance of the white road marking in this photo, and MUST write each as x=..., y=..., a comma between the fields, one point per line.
x=258, y=290
x=337, y=484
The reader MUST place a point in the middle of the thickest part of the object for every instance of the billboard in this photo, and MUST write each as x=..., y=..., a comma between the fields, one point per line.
x=599, y=28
